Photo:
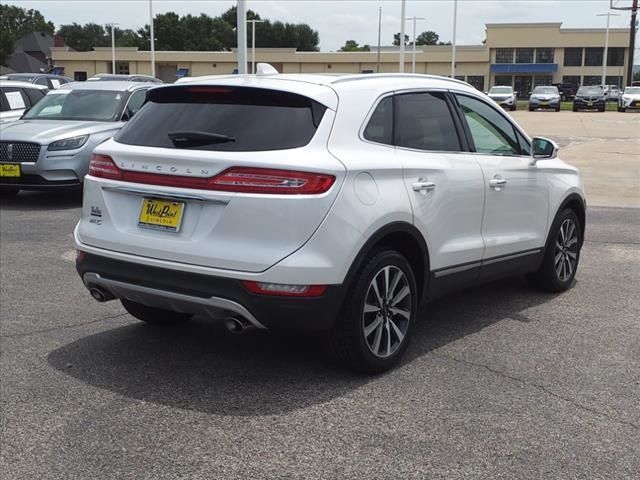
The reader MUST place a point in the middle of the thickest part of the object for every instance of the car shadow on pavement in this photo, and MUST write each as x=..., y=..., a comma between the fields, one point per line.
x=45, y=200
x=201, y=367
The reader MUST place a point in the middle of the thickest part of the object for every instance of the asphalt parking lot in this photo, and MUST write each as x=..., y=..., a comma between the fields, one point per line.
x=499, y=382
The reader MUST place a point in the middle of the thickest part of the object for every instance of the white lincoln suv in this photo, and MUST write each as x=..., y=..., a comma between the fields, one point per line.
x=334, y=204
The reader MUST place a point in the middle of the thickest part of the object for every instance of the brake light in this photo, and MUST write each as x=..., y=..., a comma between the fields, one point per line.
x=103, y=166
x=282, y=290
x=264, y=180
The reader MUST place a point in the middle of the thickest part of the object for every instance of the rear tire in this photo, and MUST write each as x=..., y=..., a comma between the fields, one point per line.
x=8, y=192
x=531, y=109
x=575, y=109
x=374, y=327
x=562, y=254
x=557, y=109
x=514, y=107
x=622, y=110
x=153, y=315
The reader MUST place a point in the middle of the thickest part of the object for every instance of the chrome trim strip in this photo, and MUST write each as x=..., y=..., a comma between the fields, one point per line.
x=451, y=271
x=468, y=266
x=121, y=289
x=510, y=257
x=162, y=194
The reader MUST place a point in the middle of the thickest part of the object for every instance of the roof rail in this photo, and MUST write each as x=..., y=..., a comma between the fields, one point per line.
x=367, y=76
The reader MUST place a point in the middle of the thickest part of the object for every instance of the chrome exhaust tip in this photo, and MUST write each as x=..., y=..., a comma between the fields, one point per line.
x=237, y=325
x=100, y=295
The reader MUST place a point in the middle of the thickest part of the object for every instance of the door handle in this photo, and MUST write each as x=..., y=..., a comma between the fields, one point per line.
x=423, y=186
x=497, y=182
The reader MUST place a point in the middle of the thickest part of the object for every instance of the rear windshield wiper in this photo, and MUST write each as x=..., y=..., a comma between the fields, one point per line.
x=195, y=138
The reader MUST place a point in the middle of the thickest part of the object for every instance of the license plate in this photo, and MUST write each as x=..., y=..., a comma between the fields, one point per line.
x=590, y=104
x=544, y=103
x=161, y=214
x=9, y=170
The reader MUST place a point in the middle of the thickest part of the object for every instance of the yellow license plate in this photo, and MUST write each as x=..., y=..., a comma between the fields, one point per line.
x=9, y=170
x=161, y=214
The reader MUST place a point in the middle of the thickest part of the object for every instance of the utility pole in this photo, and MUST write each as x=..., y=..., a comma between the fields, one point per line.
x=632, y=41
x=453, y=47
x=153, y=40
x=606, y=46
x=113, y=47
x=413, y=55
x=241, y=30
x=379, y=31
x=403, y=8
x=253, y=43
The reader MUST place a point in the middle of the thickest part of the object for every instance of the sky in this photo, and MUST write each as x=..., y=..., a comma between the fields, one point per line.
x=341, y=20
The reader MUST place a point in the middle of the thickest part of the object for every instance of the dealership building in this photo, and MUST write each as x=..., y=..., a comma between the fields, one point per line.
x=522, y=55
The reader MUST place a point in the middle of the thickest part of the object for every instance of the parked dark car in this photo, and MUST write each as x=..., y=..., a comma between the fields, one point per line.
x=567, y=90
x=45, y=79
x=590, y=98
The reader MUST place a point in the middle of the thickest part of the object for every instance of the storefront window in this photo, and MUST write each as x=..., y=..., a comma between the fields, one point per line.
x=573, y=57
x=524, y=55
x=545, y=55
x=504, y=55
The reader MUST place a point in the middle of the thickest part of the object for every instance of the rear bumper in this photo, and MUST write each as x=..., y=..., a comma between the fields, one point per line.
x=216, y=297
x=580, y=104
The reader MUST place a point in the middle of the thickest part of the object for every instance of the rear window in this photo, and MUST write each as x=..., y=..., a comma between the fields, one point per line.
x=251, y=119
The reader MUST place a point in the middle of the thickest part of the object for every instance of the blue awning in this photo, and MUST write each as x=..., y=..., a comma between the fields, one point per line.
x=182, y=72
x=524, y=67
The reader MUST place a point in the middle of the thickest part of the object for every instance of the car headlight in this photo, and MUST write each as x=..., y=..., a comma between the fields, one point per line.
x=68, y=143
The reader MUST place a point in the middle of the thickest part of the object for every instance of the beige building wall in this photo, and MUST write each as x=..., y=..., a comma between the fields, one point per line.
x=471, y=61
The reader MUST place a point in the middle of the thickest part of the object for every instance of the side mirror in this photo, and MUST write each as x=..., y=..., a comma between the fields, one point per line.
x=543, y=149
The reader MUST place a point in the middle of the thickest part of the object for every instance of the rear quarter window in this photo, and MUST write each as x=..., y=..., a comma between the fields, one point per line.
x=256, y=119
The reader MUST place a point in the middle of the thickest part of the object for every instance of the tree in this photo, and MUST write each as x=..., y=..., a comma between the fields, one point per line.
x=353, y=46
x=16, y=22
x=396, y=39
x=428, y=38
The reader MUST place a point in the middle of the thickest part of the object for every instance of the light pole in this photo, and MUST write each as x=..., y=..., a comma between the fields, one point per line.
x=606, y=46
x=153, y=41
x=113, y=47
x=379, y=31
x=403, y=8
x=253, y=43
x=241, y=26
x=413, y=55
x=453, y=47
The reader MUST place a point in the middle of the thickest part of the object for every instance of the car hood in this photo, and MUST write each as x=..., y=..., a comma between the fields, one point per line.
x=500, y=96
x=633, y=96
x=47, y=131
x=544, y=96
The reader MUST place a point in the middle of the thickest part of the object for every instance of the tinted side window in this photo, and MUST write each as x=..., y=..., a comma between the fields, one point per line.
x=423, y=121
x=16, y=99
x=34, y=95
x=42, y=81
x=380, y=126
x=135, y=102
x=491, y=132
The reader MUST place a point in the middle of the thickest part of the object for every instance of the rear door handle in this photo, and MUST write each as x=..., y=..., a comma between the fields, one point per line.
x=423, y=186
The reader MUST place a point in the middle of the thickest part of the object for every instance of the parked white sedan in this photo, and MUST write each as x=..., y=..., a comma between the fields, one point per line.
x=16, y=97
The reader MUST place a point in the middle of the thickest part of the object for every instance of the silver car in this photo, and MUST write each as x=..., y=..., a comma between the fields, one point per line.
x=504, y=96
x=51, y=146
x=16, y=97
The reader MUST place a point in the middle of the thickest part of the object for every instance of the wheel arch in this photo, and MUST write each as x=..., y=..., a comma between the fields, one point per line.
x=576, y=203
x=406, y=239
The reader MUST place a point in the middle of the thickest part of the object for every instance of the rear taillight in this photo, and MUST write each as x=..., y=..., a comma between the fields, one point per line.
x=103, y=166
x=236, y=179
x=263, y=180
x=282, y=290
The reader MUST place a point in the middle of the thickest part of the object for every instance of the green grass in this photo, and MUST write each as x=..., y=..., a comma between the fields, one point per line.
x=567, y=106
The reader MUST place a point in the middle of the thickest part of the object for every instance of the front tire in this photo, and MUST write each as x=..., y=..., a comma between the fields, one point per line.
x=562, y=254
x=514, y=107
x=152, y=315
x=374, y=328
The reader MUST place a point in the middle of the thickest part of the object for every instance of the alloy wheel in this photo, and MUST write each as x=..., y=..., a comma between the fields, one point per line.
x=566, y=251
x=387, y=311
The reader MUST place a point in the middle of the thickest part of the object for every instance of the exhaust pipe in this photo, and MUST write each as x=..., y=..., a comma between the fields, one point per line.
x=238, y=325
x=100, y=294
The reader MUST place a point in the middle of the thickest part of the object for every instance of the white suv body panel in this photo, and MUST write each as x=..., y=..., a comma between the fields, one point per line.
x=315, y=240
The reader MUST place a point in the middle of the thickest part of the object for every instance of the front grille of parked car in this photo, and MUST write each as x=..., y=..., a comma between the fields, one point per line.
x=19, y=152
